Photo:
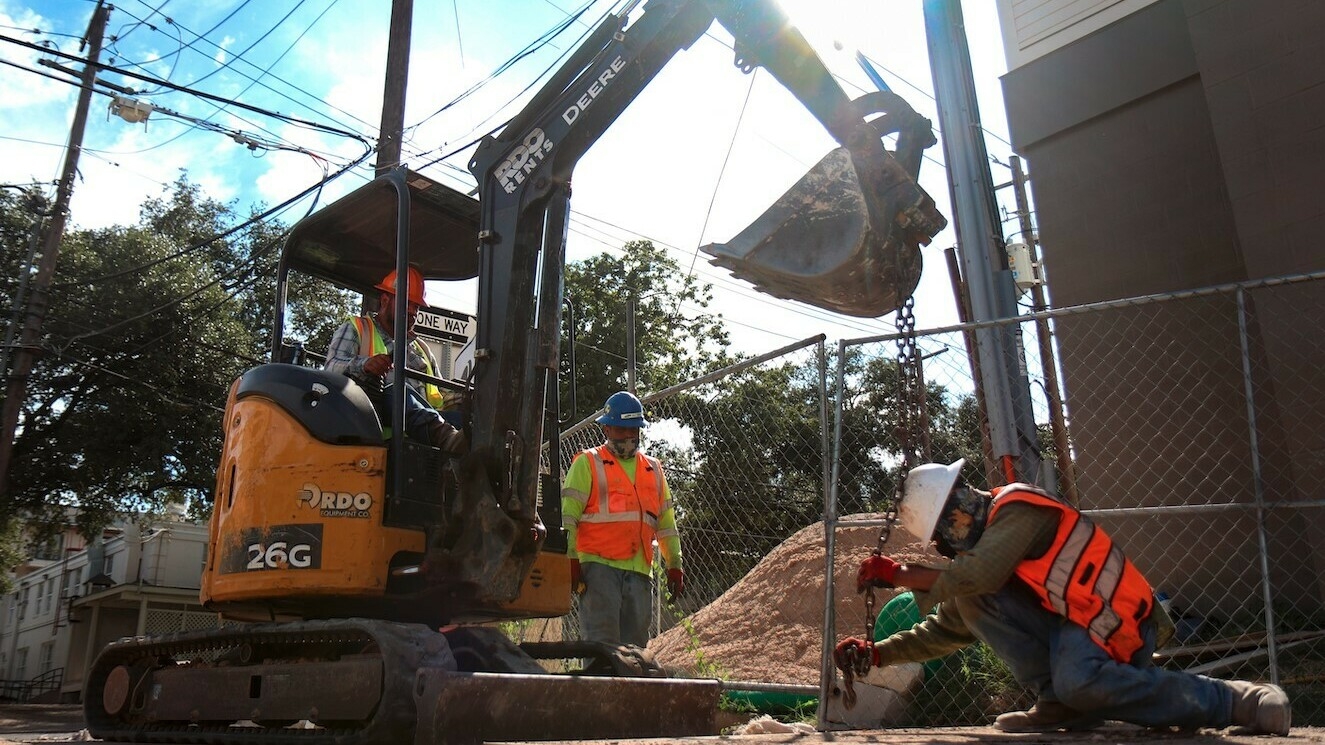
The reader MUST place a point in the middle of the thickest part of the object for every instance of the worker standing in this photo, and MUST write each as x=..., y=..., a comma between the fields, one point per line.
x=361, y=349
x=614, y=504
x=1055, y=598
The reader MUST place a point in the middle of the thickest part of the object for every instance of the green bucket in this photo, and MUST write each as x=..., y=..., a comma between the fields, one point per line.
x=900, y=614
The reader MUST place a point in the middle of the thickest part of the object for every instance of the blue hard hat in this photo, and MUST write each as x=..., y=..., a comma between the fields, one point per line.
x=623, y=410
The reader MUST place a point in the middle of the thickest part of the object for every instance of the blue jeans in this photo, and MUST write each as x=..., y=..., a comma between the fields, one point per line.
x=420, y=418
x=616, y=605
x=1057, y=660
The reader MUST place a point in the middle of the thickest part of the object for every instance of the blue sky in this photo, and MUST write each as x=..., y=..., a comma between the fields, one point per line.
x=698, y=155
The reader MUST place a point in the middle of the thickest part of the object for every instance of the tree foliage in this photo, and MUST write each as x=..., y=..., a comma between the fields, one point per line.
x=147, y=326
x=673, y=343
x=756, y=470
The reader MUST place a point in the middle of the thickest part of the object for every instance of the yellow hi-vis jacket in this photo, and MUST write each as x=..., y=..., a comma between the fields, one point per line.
x=1083, y=576
x=371, y=343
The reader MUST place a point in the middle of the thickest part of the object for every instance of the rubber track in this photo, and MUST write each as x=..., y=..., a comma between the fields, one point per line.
x=404, y=648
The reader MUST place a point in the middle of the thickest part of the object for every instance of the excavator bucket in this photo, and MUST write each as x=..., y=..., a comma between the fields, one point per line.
x=846, y=237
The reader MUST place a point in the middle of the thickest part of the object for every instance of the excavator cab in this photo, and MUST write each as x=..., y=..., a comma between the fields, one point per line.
x=317, y=513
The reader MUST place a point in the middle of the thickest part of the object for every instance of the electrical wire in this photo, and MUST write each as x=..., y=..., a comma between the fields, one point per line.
x=201, y=94
x=736, y=130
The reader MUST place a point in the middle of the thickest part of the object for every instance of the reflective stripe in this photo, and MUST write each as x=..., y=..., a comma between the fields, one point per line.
x=1061, y=573
x=1108, y=621
x=1111, y=574
x=668, y=532
x=599, y=479
x=621, y=517
x=657, y=476
x=575, y=495
x=370, y=342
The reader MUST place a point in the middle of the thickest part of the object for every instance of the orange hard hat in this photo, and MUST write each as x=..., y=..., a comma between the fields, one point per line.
x=388, y=285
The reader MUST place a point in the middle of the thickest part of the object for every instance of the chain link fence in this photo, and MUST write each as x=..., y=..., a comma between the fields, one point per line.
x=743, y=452
x=1193, y=426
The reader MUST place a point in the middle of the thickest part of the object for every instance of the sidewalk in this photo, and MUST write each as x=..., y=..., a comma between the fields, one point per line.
x=42, y=723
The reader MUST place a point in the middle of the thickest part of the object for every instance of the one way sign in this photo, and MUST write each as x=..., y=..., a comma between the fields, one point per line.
x=446, y=332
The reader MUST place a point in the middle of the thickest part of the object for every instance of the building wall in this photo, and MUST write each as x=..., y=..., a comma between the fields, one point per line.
x=74, y=607
x=1179, y=147
x=1034, y=28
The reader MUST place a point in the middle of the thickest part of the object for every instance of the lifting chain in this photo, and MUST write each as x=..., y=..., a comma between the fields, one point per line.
x=912, y=433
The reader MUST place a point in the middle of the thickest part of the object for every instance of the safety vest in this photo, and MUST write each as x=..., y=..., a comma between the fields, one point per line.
x=371, y=343
x=625, y=521
x=1084, y=576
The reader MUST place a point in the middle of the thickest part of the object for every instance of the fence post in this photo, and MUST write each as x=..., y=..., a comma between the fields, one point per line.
x=1258, y=487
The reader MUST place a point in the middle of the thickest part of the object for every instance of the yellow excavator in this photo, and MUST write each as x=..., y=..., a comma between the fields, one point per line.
x=363, y=566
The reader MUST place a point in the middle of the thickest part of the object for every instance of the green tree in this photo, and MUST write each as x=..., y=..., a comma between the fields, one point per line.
x=147, y=326
x=673, y=343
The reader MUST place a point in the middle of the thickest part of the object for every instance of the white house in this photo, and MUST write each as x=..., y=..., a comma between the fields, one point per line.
x=69, y=603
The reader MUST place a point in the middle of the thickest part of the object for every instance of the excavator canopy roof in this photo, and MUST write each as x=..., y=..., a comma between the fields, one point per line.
x=352, y=242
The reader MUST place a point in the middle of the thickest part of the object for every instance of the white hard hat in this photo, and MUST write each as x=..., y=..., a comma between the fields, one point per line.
x=927, y=490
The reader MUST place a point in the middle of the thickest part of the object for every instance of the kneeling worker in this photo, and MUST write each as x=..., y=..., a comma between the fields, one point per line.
x=1054, y=597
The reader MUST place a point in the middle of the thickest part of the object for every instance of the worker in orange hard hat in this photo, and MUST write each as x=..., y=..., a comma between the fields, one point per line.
x=362, y=350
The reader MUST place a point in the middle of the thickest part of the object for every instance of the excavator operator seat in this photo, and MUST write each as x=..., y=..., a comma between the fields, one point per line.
x=330, y=406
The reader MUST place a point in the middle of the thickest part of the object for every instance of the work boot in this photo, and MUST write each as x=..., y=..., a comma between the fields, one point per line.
x=1261, y=708
x=1046, y=716
x=448, y=439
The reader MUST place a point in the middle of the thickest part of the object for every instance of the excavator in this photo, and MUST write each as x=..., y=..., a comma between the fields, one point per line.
x=368, y=571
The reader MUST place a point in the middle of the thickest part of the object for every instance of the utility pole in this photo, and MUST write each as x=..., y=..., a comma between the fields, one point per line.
x=24, y=358
x=392, y=129
x=1048, y=361
x=980, y=240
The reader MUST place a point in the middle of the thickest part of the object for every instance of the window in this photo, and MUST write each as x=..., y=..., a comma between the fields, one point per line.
x=23, y=604
x=47, y=656
x=50, y=596
x=21, y=664
x=108, y=566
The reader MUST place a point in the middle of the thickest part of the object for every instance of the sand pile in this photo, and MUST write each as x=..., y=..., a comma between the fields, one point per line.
x=768, y=626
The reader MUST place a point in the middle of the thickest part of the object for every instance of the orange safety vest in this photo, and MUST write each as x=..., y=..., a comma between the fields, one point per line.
x=1084, y=576
x=626, y=521
x=371, y=343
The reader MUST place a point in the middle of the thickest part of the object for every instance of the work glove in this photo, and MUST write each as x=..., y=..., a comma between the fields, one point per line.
x=856, y=655
x=576, y=580
x=676, y=582
x=377, y=365
x=876, y=571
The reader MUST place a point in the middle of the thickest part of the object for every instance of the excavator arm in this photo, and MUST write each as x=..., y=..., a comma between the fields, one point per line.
x=845, y=237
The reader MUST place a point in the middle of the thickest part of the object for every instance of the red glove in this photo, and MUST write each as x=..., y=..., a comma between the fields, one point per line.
x=576, y=582
x=676, y=582
x=876, y=571
x=856, y=655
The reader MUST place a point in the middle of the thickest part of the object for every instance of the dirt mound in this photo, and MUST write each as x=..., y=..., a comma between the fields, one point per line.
x=767, y=627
